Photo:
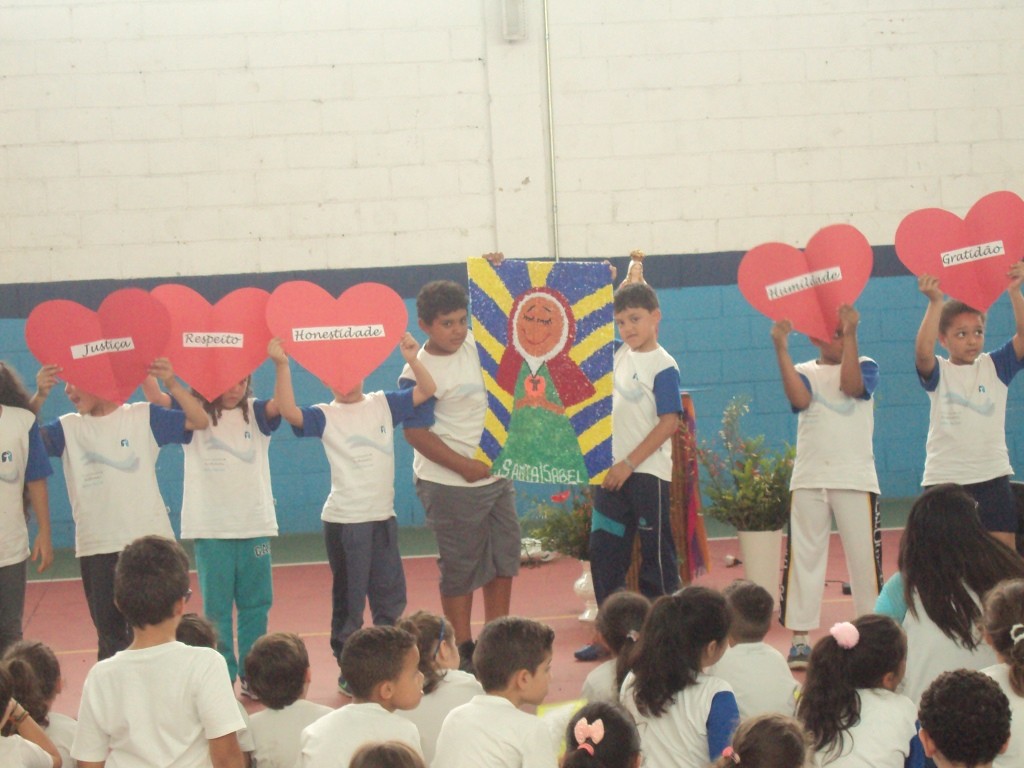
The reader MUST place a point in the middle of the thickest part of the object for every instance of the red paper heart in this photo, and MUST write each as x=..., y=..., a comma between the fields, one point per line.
x=105, y=353
x=967, y=273
x=215, y=347
x=807, y=287
x=339, y=340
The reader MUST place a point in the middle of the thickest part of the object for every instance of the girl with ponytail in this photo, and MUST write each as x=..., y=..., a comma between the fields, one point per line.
x=1003, y=626
x=601, y=735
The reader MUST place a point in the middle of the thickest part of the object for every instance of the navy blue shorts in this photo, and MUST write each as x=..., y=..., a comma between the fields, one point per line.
x=997, y=505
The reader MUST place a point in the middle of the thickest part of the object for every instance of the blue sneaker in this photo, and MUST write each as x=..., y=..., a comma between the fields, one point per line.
x=591, y=652
x=799, y=656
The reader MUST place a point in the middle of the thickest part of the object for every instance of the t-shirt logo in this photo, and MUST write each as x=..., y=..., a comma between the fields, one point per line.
x=248, y=435
x=981, y=387
x=124, y=442
x=6, y=456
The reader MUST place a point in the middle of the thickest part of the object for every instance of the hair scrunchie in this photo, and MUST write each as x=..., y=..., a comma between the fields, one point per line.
x=845, y=634
x=1017, y=633
x=732, y=754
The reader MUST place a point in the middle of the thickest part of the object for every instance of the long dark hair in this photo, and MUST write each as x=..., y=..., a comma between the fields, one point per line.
x=35, y=672
x=12, y=391
x=430, y=630
x=945, y=555
x=672, y=642
x=619, y=621
x=216, y=407
x=829, y=703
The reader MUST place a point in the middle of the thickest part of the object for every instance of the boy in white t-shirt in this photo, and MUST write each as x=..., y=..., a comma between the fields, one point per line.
x=965, y=720
x=159, y=702
x=360, y=528
x=833, y=476
x=279, y=674
x=758, y=673
x=109, y=454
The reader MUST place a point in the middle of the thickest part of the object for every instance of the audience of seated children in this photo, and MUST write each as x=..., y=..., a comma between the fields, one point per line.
x=685, y=716
x=965, y=720
x=381, y=665
x=767, y=741
x=758, y=674
x=1003, y=625
x=849, y=703
x=26, y=746
x=34, y=668
x=387, y=754
x=513, y=662
x=601, y=735
x=199, y=632
x=445, y=686
x=159, y=702
x=279, y=675
x=618, y=628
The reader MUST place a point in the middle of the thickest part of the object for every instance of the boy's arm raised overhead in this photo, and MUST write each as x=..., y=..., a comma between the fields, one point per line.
x=195, y=416
x=851, y=379
x=46, y=379
x=796, y=390
x=928, y=333
x=284, y=393
x=1017, y=302
x=153, y=393
x=425, y=385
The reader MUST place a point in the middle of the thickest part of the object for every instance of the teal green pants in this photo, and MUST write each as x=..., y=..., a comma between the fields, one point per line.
x=235, y=574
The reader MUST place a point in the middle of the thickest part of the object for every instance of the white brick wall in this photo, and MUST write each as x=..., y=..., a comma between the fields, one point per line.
x=172, y=137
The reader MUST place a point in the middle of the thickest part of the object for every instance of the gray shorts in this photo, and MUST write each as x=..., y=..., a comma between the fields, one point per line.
x=477, y=532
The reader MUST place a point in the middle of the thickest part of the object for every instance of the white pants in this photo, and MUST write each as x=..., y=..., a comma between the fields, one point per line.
x=810, y=525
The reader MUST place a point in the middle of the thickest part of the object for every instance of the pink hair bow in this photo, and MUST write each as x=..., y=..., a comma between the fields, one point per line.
x=584, y=730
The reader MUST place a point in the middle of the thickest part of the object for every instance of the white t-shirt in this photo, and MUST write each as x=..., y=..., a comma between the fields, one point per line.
x=599, y=685
x=109, y=467
x=156, y=706
x=455, y=689
x=16, y=752
x=490, y=731
x=967, y=420
x=227, y=492
x=276, y=732
x=455, y=413
x=881, y=738
x=61, y=730
x=359, y=440
x=22, y=460
x=331, y=741
x=1014, y=755
x=760, y=678
x=646, y=386
x=834, y=433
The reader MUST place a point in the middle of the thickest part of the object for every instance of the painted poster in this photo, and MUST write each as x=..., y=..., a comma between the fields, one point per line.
x=545, y=335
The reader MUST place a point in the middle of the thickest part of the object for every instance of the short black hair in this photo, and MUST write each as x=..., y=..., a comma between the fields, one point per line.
x=953, y=308
x=197, y=631
x=276, y=668
x=635, y=296
x=151, y=576
x=372, y=656
x=750, y=610
x=967, y=715
x=508, y=645
x=440, y=297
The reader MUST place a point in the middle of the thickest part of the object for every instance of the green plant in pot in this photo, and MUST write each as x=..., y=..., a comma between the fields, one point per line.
x=562, y=524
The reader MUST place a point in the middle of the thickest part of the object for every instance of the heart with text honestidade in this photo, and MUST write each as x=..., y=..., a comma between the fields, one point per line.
x=339, y=340
x=213, y=347
x=969, y=256
x=107, y=352
x=807, y=287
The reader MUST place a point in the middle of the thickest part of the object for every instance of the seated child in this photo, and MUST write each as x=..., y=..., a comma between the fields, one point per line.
x=767, y=741
x=513, y=662
x=159, y=702
x=965, y=720
x=1003, y=624
x=34, y=668
x=279, y=674
x=27, y=746
x=601, y=734
x=381, y=665
x=445, y=686
x=387, y=754
x=618, y=627
x=758, y=674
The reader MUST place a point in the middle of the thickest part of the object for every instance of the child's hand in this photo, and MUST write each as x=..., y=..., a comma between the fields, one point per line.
x=162, y=370
x=781, y=330
x=475, y=471
x=611, y=268
x=46, y=379
x=929, y=286
x=275, y=351
x=616, y=476
x=408, y=346
x=848, y=319
x=1016, y=275
x=495, y=258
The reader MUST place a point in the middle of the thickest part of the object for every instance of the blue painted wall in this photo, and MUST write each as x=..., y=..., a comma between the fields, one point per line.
x=723, y=348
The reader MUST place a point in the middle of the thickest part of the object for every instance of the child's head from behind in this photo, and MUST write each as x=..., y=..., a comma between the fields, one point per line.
x=381, y=664
x=12, y=391
x=965, y=719
x=637, y=315
x=435, y=639
x=151, y=581
x=197, y=631
x=277, y=668
x=621, y=618
x=6, y=694
x=35, y=673
x=684, y=633
x=750, y=611
x=386, y=754
x=1003, y=622
x=767, y=741
x=961, y=331
x=513, y=652
x=601, y=735
x=869, y=652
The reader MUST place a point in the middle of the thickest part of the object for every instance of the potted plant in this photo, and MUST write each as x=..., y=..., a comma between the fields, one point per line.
x=747, y=486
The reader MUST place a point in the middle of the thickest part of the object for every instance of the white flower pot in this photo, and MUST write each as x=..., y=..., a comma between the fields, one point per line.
x=762, y=558
x=584, y=589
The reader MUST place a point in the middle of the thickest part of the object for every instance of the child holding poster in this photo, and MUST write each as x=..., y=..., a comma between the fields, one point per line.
x=109, y=453
x=833, y=476
x=360, y=528
x=968, y=392
x=227, y=507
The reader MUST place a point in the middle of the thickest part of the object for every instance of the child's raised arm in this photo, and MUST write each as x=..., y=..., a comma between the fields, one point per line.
x=851, y=379
x=46, y=379
x=425, y=385
x=928, y=333
x=284, y=393
x=796, y=391
x=155, y=395
x=1017, y=302
x=195, y=416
